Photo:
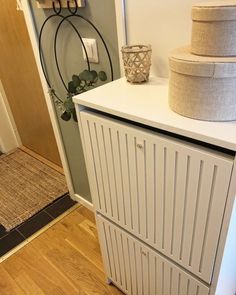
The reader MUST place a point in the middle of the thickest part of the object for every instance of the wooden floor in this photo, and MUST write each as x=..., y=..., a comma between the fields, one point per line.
x=65, y=259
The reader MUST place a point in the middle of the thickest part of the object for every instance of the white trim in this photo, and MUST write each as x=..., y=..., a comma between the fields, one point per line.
x=34, y=42
x=121, y=29
x=9, y=136
x=83, y=202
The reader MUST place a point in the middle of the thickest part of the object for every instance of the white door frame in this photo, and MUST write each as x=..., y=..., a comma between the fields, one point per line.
x=121, y=32
x=121, y=28
x=9, y=136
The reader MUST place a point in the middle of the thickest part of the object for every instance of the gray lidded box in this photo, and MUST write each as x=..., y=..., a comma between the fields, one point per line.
x=201, y=87
x=214, y=28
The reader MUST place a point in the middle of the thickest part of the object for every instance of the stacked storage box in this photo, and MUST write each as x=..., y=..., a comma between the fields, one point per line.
x=203, y=76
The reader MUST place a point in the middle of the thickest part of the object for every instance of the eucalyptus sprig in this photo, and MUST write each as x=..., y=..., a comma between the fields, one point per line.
x=83, y=82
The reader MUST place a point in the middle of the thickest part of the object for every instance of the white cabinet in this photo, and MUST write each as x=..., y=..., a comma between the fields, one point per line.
x=138, y=270
x=164, y=191
x=167, y=192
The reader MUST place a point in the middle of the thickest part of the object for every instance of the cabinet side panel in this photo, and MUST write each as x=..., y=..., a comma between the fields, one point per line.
x=104, y=248
x=227, y=278
x=92, y=164
x=220, y=187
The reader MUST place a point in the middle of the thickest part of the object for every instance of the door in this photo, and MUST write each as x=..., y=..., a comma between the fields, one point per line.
x=20, y=79
x=138, y=270
x=169, y=193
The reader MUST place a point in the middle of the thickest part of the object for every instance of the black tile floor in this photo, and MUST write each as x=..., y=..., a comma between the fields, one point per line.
x=11, y=239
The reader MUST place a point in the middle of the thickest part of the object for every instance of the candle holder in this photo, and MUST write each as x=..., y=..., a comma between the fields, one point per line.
x=137, y=62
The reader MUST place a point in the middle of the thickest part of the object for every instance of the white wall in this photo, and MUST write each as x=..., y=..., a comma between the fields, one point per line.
x=165, y=24
x=8, y=136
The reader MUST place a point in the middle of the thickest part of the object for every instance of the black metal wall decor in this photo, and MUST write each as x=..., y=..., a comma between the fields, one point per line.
x=72, y=14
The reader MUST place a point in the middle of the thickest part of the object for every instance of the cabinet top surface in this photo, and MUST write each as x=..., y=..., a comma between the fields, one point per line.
x=148, y=104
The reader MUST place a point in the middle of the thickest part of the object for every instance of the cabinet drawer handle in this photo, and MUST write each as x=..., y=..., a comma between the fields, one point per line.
x=139, y=145
x=143, y=252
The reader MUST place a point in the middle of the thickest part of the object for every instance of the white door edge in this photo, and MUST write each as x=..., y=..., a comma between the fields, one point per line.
x=9, y=136
x=121, y=29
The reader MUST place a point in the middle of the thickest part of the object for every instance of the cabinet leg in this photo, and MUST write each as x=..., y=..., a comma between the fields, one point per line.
x=108, y=281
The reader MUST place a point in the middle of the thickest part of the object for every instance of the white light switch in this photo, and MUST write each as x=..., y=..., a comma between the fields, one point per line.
x=91, y=48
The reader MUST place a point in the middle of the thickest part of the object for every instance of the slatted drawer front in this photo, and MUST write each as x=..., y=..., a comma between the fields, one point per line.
x=170, y=194
x=136, y=269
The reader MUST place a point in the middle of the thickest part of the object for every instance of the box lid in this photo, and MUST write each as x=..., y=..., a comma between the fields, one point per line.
x=224, y=10
x=184, y=62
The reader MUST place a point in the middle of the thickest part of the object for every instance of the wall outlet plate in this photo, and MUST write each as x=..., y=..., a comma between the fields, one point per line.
x=92, y=50
x=46, y=4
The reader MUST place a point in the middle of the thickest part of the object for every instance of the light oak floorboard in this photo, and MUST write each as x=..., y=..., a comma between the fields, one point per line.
x=65, y=259
x=7, y=283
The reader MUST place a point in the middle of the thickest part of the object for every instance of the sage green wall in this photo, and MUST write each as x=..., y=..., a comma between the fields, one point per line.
x=102, y=14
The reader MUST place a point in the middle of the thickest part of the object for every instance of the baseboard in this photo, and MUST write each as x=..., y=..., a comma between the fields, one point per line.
x=83, y=202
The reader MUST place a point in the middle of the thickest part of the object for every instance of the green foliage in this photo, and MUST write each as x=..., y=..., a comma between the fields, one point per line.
x=66, y=116
x=102, y=76
x=85, y=81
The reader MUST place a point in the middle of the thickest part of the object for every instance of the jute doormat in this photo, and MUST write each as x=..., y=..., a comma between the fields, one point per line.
x=26, y=186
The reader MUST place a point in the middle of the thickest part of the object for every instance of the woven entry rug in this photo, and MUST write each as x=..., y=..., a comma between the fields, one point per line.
x=26, y=186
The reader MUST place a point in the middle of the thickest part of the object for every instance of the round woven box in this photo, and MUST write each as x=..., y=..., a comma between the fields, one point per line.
x=214, y=28
x=137, y=62
x=202, y=88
